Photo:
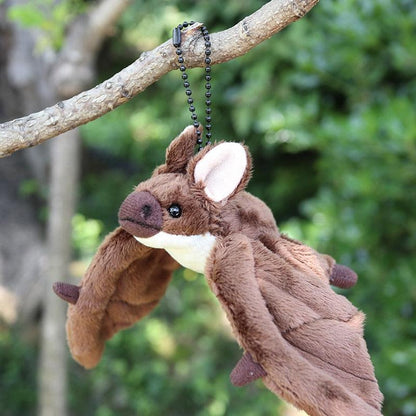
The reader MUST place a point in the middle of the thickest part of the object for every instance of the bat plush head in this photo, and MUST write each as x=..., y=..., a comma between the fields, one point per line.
x=180, y=208
x=304, y=340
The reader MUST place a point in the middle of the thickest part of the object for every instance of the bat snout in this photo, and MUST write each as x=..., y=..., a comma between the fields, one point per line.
x=141, y=214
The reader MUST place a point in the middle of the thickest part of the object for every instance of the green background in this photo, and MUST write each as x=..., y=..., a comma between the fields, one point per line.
x=327, y=108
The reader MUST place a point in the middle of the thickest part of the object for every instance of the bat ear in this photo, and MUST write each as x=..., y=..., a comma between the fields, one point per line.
x=180, y=151
x=223, y=170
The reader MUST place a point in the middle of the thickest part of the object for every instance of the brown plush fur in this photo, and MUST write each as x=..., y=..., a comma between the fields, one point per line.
x=306, y=337
x=302, y=338
x=123, y=283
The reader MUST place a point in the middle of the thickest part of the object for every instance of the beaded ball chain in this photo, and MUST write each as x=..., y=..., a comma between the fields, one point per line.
x=176, y=40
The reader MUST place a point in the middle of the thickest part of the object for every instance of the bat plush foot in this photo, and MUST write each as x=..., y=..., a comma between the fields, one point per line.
x=246, y=371
x=69, y=293
x=343, y=277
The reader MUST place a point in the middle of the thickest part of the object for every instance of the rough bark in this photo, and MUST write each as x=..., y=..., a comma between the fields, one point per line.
x=152, y=65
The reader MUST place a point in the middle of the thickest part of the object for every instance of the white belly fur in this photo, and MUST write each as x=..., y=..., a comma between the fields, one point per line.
x=191, y=251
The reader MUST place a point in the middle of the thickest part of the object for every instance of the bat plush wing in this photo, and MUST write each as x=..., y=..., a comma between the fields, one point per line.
x=303, y=339
x=123, y=283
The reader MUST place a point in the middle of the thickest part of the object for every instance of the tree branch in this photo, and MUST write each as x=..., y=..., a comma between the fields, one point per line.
x=152, y=65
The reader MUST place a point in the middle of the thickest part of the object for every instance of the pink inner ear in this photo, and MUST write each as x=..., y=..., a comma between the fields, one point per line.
x=221, y=170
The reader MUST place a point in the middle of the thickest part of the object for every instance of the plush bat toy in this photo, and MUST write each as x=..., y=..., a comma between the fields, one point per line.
x=304, y=340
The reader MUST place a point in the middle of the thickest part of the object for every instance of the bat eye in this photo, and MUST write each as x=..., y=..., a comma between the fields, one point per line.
x=175, y=211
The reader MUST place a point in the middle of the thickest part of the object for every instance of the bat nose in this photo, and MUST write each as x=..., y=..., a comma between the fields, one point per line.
x=141, y=214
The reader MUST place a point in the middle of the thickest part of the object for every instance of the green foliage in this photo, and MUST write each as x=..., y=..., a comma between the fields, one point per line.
x=18, y=374
x=50, y=16
x=85, y=235
x=29, y=187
